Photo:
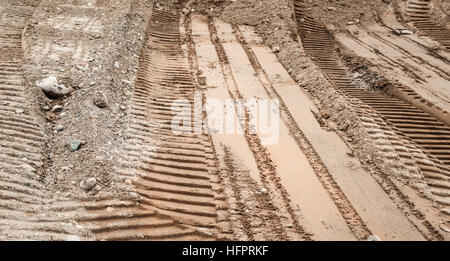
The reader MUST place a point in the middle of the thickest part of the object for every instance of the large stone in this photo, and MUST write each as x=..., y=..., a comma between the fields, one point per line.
x=52, y=89
x=88, y=184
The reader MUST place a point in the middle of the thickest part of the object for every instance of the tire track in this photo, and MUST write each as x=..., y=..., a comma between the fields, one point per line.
x=398, y=128
x=419, y=12
x=420, y=127
x=250, y=208
x=425, y=88
x=23, y=197
x=174, y=174
x=263, y=161
x=346, y=209
x=268, y=167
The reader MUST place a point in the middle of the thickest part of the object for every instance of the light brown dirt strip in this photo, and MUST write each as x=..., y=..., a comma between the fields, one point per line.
x=422, y=49
x=208, y=61
x=301, y=183
x=254, y=206
x=257, y=52
x=239, y=221
x=290, y=214
x=360, y=188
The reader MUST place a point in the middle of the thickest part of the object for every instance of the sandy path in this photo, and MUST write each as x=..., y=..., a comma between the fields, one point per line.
x=318, y=210
x=374, y=206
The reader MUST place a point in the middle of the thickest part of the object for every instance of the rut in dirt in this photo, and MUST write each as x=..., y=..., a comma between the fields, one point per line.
x=174, y=173
x=404, y=122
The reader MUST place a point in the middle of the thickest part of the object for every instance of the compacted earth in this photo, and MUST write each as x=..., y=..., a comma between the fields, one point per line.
x=225, y=120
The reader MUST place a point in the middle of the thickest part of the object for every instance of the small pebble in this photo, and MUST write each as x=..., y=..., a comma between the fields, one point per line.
x=57, y=108
x=88, y=184
x=100, y=100
x=74, y=145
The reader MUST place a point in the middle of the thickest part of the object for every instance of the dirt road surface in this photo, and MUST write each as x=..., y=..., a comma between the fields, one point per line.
x=146, y=120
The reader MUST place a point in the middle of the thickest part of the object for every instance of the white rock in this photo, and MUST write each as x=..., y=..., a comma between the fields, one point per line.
x=52, y=89
x=403, y=31
x=88, y=184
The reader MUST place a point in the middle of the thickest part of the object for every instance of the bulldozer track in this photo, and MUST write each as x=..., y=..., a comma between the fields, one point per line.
x=419, y=12
x=154, y=162
x=22, y=194
x=175, y=175
x=418, y=129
